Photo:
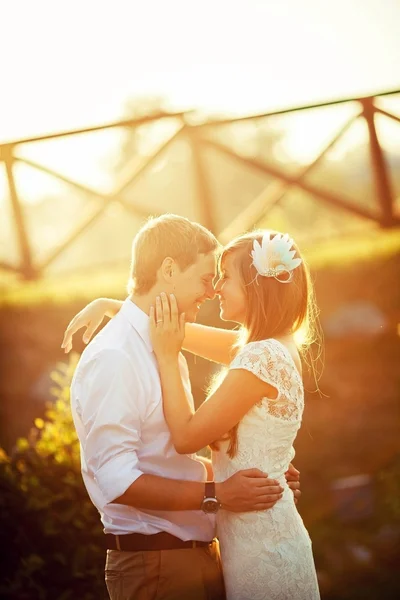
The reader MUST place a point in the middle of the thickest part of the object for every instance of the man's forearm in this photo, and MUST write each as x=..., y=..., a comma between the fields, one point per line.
x=243, y=492
x=157, y=493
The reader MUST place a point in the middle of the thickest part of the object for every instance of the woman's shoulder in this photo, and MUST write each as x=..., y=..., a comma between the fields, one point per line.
x=271, y=351
x=259, y=351
x=262, y=346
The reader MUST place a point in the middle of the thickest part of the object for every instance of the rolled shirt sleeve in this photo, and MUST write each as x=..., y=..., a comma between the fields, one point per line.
x=112, y=411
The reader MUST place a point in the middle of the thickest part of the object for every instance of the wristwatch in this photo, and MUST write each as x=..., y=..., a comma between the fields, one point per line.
x=210, y=504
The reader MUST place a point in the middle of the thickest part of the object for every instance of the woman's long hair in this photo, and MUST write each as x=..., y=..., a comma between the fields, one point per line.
x=273, y=309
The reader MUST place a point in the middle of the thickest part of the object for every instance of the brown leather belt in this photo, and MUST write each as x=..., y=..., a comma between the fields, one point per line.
x=132, y=542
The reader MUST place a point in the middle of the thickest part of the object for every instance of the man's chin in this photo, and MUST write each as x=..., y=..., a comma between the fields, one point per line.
x=191, y=317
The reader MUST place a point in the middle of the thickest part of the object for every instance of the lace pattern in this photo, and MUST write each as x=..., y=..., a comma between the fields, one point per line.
x=266, y=555
x=271, y=362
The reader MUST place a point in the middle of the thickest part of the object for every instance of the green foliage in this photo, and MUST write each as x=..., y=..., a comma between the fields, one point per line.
x=48, y=524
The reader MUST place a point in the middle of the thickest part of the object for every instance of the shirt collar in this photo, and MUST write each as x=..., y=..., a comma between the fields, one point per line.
x=138, y=319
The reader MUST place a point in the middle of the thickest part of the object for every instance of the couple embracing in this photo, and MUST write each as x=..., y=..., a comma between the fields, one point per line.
x=162, y=505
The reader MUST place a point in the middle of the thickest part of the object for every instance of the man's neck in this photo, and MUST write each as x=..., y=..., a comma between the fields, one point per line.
x=146, y=300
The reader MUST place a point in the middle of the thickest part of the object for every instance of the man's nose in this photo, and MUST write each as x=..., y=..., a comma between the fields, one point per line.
x=216, y=288
x=210, y=292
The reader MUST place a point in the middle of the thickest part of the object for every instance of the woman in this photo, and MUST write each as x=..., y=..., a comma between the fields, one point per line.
x=252, y=416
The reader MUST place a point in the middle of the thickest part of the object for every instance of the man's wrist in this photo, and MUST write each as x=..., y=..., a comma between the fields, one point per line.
x=211, y=503
x=219, y=492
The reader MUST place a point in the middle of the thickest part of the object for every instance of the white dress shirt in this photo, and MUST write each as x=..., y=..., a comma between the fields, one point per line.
x=118, y=414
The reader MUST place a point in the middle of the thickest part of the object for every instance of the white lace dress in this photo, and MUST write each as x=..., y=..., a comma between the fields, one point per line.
x=267, y=555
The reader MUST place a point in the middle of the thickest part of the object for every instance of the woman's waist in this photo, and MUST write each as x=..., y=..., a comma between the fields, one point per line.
x=225, y=469
x=282, y=516
x=274, y=461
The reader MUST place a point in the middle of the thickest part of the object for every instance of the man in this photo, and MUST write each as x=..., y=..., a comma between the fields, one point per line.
x=155, y=506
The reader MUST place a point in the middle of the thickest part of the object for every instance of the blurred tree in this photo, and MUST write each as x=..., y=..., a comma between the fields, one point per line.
x=49, y=528
x=135, y=139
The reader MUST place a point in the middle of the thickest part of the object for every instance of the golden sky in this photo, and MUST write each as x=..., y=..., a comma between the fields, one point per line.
x=70, y=63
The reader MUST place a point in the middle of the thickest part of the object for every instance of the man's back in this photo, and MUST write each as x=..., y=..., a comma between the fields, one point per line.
x=117, y=410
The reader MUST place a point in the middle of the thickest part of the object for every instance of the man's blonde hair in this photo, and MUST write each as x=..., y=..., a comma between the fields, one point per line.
x=166, y=236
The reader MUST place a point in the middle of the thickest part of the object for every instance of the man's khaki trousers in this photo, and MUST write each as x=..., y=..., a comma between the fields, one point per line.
x=187, y=574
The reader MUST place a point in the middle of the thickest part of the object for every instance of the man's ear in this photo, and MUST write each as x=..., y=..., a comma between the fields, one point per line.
x=168, y=269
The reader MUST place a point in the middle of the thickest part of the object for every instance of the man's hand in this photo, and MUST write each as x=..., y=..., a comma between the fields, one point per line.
x=248, y=490
x=293, y=480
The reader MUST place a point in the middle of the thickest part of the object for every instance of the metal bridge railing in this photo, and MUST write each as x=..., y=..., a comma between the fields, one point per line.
x=198, y=134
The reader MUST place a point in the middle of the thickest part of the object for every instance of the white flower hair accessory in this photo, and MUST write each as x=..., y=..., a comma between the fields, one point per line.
x=274, y=257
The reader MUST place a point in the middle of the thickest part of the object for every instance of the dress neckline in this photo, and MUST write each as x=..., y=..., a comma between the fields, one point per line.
x=287, y=354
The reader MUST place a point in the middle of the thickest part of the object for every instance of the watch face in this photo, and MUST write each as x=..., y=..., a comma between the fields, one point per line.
x=210, y=505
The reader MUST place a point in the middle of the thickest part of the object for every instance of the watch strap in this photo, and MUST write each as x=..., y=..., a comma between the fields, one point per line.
x=209, y=491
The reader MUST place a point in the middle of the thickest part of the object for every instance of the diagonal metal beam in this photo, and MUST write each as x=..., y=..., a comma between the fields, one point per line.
x=107, y=201
x=71, y=238
x=202, y=184
x=261, y=167
x=26, y=267
x=379, y=166
x=387, y=114
x=136, y=210
x=272, y=195
x=7, y=267
x=80, y=187
x=149, y=162
x=125, y=123
x=246, y=219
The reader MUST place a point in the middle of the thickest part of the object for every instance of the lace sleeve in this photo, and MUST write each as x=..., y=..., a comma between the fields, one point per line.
x=258, y=358
x=267, y=361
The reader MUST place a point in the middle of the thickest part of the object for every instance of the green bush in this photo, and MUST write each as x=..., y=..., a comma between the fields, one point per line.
x=51, y=533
